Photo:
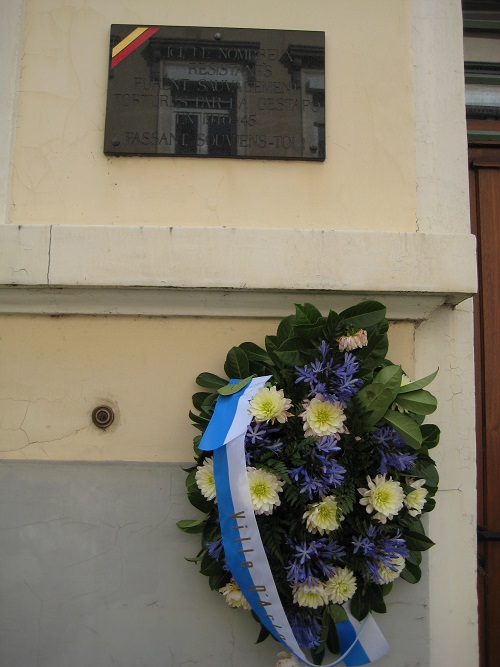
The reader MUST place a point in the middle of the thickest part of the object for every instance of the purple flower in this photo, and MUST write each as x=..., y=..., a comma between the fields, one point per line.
x=336, y=383
x=261, y=437
x=312, y=560
x=306, y=626
x=379, y=548
x=393, y=450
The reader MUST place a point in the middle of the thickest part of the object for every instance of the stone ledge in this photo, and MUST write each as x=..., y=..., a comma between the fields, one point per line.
x=198, y=271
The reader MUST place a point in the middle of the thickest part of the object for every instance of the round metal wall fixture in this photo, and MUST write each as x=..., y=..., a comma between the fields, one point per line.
x=103, y=416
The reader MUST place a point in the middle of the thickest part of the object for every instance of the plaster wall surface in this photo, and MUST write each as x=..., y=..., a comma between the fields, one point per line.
x=93, y=573
x=144, y=368
x=61, y=175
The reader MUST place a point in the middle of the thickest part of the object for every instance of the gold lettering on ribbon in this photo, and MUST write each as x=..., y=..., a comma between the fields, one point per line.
x=247, y=564
x=258, y=589
x=238, y=515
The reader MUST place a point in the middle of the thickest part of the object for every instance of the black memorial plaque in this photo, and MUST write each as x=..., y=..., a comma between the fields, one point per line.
x=216, y=92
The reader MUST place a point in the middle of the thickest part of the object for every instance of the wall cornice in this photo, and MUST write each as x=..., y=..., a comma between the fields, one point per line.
x=67, y=269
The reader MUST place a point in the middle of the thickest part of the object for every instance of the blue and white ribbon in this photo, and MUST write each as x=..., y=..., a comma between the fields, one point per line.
x=360, y=643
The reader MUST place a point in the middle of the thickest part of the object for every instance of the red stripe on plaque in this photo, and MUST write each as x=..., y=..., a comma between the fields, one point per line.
x=123, y=52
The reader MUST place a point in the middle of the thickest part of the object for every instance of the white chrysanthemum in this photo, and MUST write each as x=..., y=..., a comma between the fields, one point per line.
x=415, y=500
x=384, y=496
x=348, y=343
x=309, y=596
x=205, y=478
x=341, y=586
x=388, y=574
x=286, y=660
x=322, y=517
x=269, y=405
x=322, y=417
x=233, y=595
x=264, y=489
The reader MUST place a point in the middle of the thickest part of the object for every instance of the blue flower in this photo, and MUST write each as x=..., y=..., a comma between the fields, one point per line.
x=320, y=472
x=259, y=437
x=393, y=450
x=336, y=383
x=306, y=627
x=379, y=549
x=312, y=560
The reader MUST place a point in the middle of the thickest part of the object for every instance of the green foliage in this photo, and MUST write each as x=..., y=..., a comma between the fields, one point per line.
x=237, y=364
x=374, y=399
x=406, y=427
x=210, y=381
x=235, y=387
x=192, y=525
x=421, y=402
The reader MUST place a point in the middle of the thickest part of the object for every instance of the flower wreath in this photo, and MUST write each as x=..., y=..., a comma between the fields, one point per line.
x=324, y=439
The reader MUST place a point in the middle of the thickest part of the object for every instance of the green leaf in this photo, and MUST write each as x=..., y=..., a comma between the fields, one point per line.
x=411, y=573
x=375, y=399
x=196, y=559
x=199, y=501
x=374, y=354
x=307, y=314
x=430, y=504
x=209, y=566
x=431, y=434
x=414, y=557
x=211, y=532
x=234, y=388
x=417, y=541
x=336, y=612
x=271, y=343
x=191, y=477
x=198, y=399
x=405, y=427
x=208, y=404
x=216, y=581
x=359, y=607
x=192, y=525
x=427, y=470
x=255, y=353
x=331, y=635
x=210, y=381
x=317, y=654
x=421, y=401
x=236, y=365
x=292, y=351
x=362, y=315
x=376, y=599
x=198, y=419
x=285, y=329
x=390, y=377
x=387, y=588
x=332, y=321
x=418, y=384
x=263, y=634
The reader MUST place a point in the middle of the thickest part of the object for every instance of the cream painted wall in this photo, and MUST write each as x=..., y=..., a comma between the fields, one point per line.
x=367, y=182
x=55, y=371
